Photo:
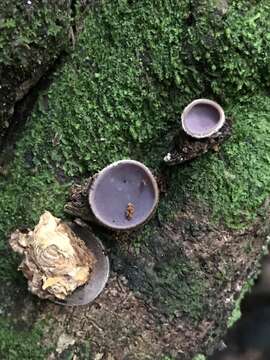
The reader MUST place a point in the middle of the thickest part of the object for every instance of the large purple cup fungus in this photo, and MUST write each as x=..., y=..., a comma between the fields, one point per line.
x=123, y=195
x=202, y=118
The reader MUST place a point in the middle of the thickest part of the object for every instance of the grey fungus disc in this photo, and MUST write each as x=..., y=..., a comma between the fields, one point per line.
x=124, y=195
x=100, y=275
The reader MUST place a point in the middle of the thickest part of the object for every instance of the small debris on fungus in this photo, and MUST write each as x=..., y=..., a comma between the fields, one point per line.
x=130, y=211
x=56, y=261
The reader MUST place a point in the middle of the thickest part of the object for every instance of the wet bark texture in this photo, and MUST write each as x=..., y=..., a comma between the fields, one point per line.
x=185, y=148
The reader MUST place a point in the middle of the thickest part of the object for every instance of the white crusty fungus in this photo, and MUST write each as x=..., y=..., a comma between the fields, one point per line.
x=56, y=261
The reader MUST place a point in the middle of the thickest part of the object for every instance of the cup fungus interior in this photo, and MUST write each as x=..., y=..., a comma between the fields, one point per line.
x=123, y=195
x=202, y=119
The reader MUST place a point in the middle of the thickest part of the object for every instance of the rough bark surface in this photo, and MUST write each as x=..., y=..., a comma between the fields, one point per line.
x=164, y=316
x=132, y=318
x=185, y=148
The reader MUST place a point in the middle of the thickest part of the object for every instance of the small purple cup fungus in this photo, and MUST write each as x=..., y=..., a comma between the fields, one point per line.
x=123, y=195
x=202, y=118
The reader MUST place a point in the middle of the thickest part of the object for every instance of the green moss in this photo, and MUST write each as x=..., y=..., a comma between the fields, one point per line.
x=232, y=52
x=31, y=37
x=177, y=285
x=16, y=344
x=121, y=93
x=180, y=287
x=33, y=25
x=236, y=313
x=235, y=182
x=127, y=83
x=199, y=357
x=135, y=67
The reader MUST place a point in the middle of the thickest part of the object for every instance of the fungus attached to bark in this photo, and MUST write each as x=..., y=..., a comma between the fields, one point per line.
x=123, y=195
x=56, y=261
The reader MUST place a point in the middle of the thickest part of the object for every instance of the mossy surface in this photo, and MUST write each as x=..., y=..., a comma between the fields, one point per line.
x=199, y=357
x=135, y=67
x=24, y=345
x=32, y=34
x=180, y=288
x=118, y=97
x=126, y=84
x=235, y=182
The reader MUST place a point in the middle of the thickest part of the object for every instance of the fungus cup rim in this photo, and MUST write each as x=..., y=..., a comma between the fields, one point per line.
x=99, y=277
x=100, y=175
x=212, y=131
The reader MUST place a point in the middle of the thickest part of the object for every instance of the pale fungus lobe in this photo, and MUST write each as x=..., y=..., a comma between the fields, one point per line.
x=202, y=118
x=123, y=195
x=56, y=261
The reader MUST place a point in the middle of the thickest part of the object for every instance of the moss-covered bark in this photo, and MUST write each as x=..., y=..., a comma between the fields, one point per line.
x=120, y=94
x=32, y=35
